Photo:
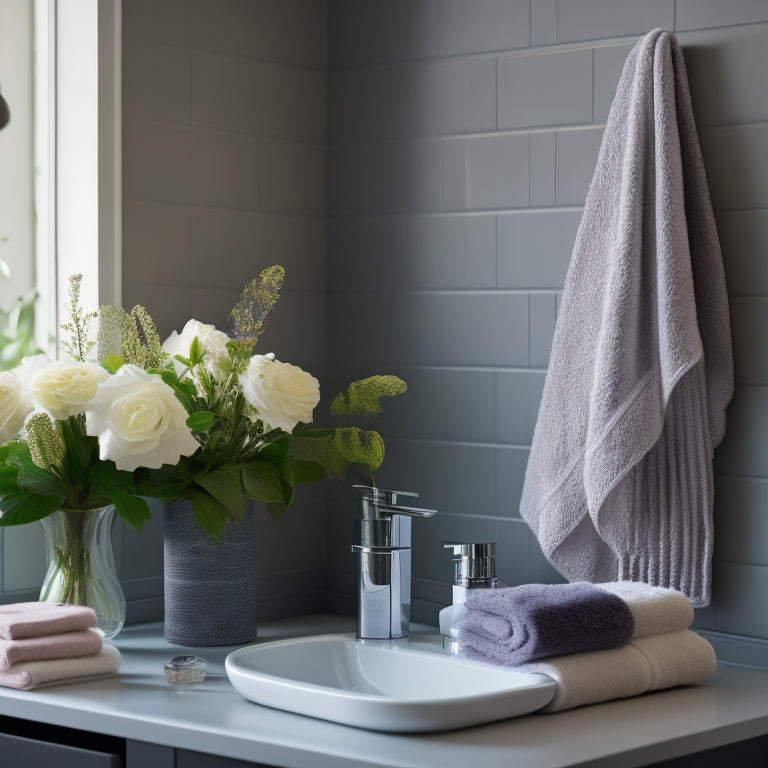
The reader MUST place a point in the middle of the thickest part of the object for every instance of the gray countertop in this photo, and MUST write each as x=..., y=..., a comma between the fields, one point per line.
x=213, y=718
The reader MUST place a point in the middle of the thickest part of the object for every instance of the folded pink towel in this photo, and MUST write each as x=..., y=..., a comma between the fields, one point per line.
x=82, y=642
x=33, y=674
x=19, y=620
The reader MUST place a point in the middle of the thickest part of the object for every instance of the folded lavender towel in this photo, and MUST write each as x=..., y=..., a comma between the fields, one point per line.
x=33, y=674
x=650, y=663
x=19, y=620
x=83, y=642
x=513, y=625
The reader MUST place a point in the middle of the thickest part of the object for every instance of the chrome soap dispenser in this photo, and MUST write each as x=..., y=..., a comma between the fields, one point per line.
x=474, y=567
x=383, y=563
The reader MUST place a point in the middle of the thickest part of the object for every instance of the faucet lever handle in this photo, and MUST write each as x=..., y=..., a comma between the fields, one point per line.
x=383, y=496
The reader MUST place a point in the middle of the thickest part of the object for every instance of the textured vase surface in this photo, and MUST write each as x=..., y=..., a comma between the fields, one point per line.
x=210, y=587
x=81, y=566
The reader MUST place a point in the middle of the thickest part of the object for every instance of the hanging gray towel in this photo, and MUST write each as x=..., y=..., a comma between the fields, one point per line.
x=619, y=481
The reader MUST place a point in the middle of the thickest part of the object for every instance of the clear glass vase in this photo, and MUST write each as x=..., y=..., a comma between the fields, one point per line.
x=81, y=567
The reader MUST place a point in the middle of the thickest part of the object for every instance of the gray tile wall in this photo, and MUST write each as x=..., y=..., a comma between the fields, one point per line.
x=461, y=146
x=224, y=174
x=421, y=174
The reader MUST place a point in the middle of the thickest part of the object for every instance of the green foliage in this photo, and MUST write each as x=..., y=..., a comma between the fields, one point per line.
x=17, y=331
x=74, y=478
x=363, y=396
x=258, y=298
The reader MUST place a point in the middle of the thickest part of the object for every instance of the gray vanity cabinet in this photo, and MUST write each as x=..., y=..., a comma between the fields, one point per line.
x=22, y=752
x=142, y=755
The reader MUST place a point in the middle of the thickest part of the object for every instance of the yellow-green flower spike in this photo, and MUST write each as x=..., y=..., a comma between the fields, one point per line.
x=46, y=445
x=258, y=298
x=363, y=396
x=78, y=346
x=360, y=446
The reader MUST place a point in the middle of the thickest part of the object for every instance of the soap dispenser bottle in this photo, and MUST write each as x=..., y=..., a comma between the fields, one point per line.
x=474, y=567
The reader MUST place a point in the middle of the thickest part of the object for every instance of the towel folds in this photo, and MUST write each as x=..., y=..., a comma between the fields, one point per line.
x=20, y=620
x=46, y=643
x=654, y=609
x=83, y=642
x=650, y=663
x=33, y=674
x=512, y=625
x=575, y=634
x=619, y=482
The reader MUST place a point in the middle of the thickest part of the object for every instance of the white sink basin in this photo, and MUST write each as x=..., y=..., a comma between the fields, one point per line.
x=371, y=684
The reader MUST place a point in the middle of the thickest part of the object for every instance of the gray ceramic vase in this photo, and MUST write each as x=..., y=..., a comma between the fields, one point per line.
x=210, y=588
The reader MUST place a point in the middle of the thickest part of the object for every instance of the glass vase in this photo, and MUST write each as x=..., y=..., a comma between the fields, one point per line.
x=81, y=567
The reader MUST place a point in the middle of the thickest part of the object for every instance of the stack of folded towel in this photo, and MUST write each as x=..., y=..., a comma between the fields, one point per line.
x=46, y=643
x=597, y=641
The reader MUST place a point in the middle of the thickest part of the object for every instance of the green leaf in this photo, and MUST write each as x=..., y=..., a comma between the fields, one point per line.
x=225, y=485
x=21, y=507
x=195, y=352
x=275, y=451
x=133, y=509
x=315, y=450
x=200, y=421
x=105, y=475
x=209, y=513
x=276, y=509
x=40, y=482
x=113, y=362
x=262, y=482
x=185, y=390
x=308, y=472
x=79, y=449
x=30, y=477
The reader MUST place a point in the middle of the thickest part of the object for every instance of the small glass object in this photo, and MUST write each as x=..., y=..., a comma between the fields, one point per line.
x=185, y=671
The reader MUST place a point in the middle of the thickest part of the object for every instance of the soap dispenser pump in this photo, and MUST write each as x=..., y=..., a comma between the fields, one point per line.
x=474, y=567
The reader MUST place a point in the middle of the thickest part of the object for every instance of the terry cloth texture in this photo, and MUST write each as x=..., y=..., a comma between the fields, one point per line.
x=645, y=664
x=655, y=610
x=19, y=620
x=512, y=625
x=84, y=642
x=619, y=483
x=33, y=674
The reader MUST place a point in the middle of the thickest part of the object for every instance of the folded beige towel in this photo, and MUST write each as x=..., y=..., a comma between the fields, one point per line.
x=654, y=609
x=33, y=674
x=19, y=620
x=82, y=642
x=645, y=664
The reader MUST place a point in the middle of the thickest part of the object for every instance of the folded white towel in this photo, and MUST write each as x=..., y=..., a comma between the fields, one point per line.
x=33, y=674
x=645, y=664
x=654, y=609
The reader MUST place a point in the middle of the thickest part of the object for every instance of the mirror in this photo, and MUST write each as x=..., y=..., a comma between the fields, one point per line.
x=60, y=77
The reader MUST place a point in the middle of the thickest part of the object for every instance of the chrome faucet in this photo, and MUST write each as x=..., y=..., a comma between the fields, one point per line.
x=383, y=554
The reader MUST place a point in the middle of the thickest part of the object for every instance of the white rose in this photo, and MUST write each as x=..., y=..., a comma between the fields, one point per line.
x=282, y=393
x=14, y=405
x=139, y=421
x=214, y=343
x=63, y=389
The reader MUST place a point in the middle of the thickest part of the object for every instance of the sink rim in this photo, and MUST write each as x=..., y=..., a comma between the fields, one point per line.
x=382, y=711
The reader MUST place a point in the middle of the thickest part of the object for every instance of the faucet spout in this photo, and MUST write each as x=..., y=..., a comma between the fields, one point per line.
x=383, y=564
